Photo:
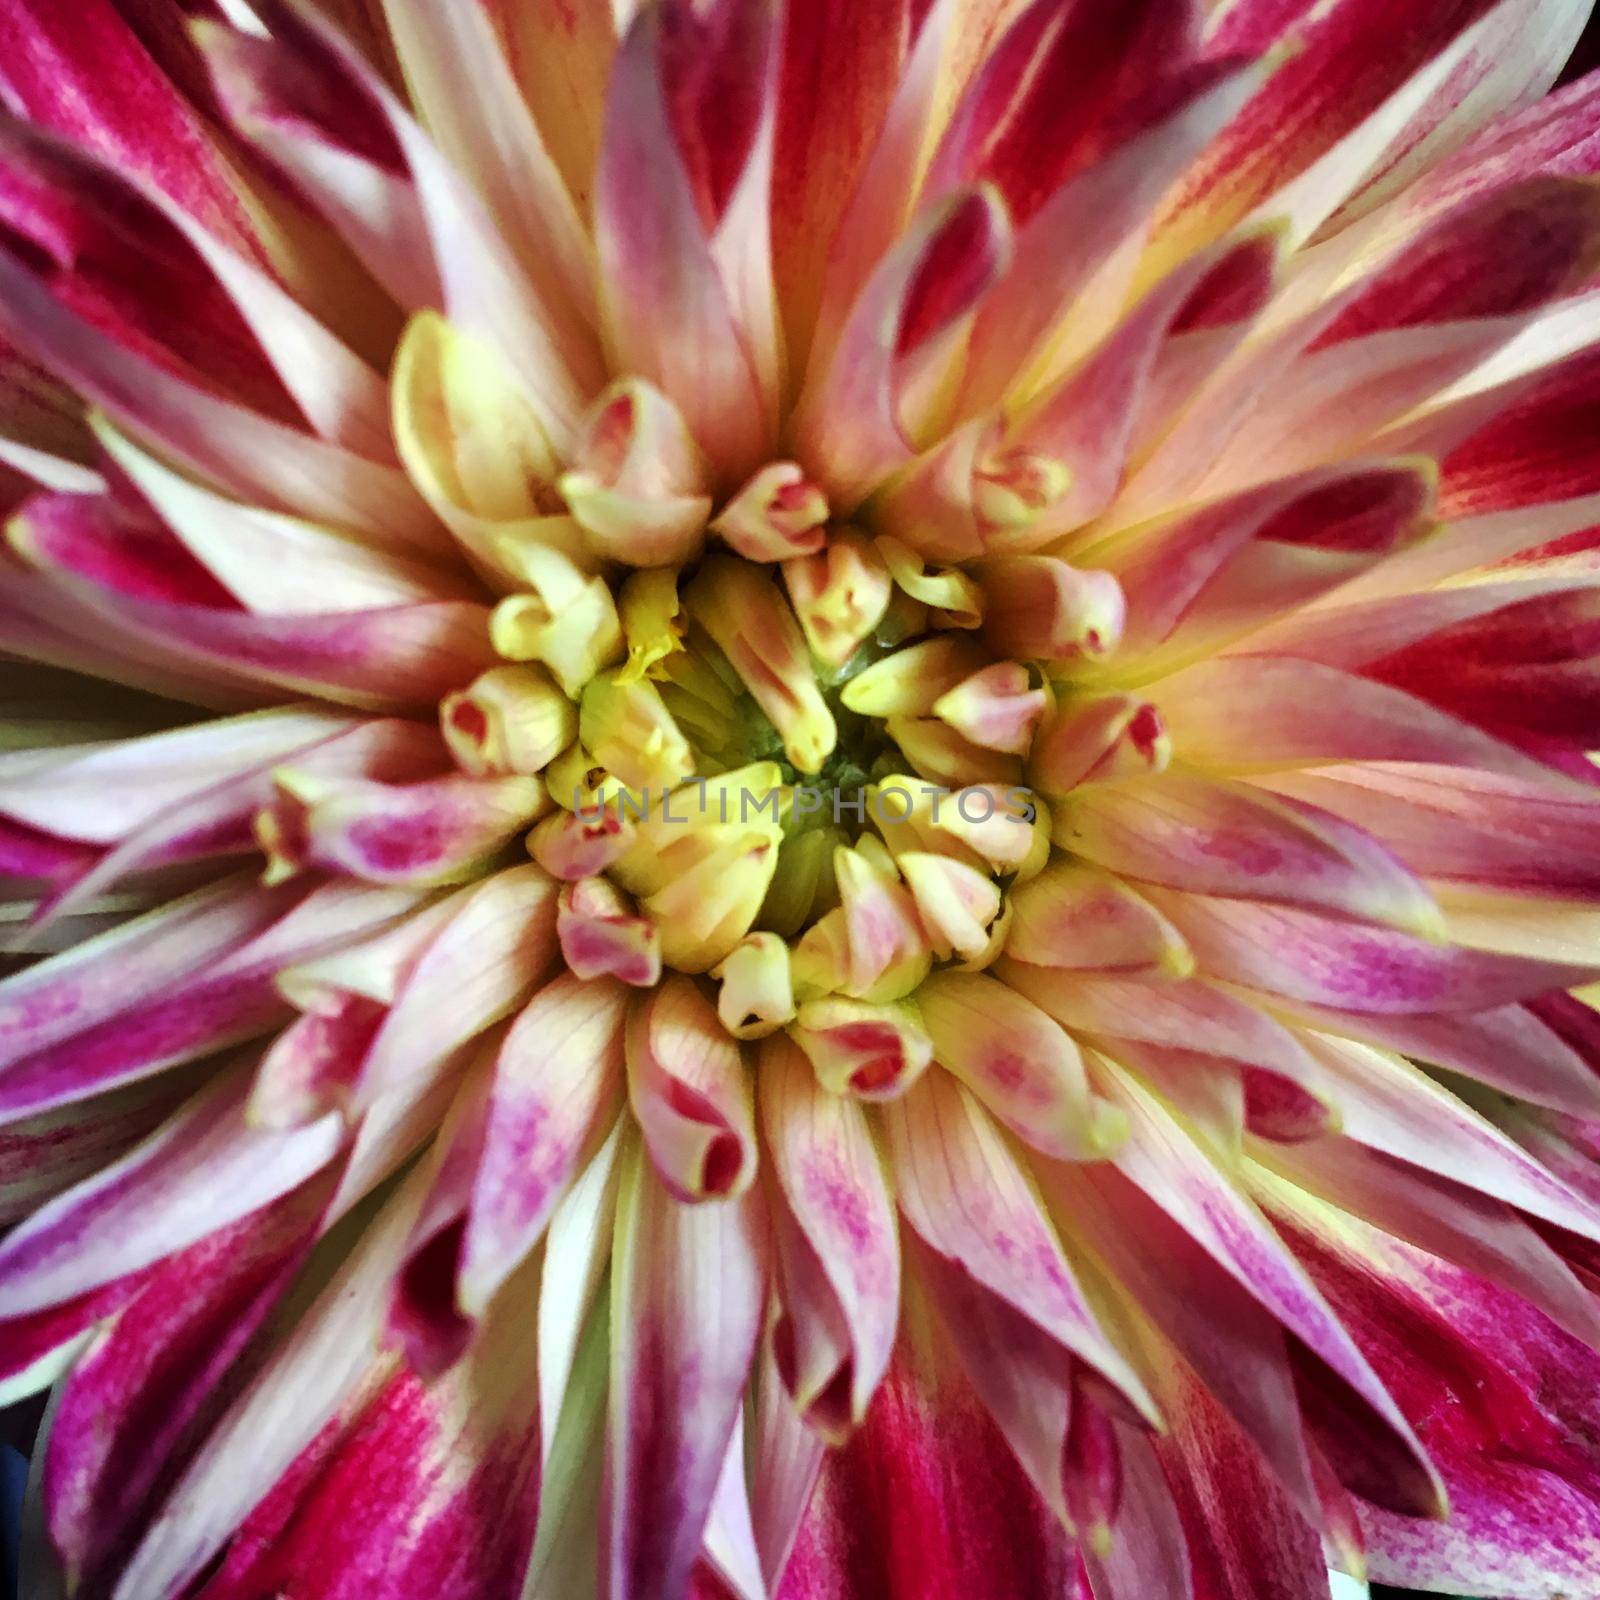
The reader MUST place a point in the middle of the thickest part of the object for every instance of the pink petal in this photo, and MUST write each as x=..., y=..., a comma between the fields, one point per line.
x=270, y=562
x=840, y=66
x=1018, y=1061
x=166, y=988
x=65, y=788
x=309, y=1068
x=301, y=1387
x=602, y=936
x=669, y=313
x=557, y=1083
x=1191, y=1016
x=425, y=1317
x=1202, y=1199
x=1393, y=1107
x=183, y=291
x=397, y=656
x=217, y=820
x=1349, y=59
x=462, y=83
x=927, y=1500
x=691, y=1094
x=1232, y=1343
x=120, y=1425
x=485, y=961
x=485, y=291
x=1077, y=918
x=1269, y=1550
x=1470, y=827
x=437, y=830
x=836, y=1198
x=202, y=1170
x=947, y=44
x=297, y=107
x=848, y=427
x=1015, y=1368
x=1503, y=1401
x=1213, y=837
x=1064, y=237
x=90, y=77
x=1057, y=87
x=1307, y=956
x=1534, y=450
x=1446, y=1219
x=242, y=451
x=688, y=1289
x=1515, y=1048
x=1087, y=420
x=1258, y=713
x=416, y=1488
x=40, y=1156
x=969, y=1198
x=1246, y=558
x=1149, y=1553
x=1470, y=283
x=785, y=1458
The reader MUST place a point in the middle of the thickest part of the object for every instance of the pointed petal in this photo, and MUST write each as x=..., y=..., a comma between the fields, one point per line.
x=928, y=1499
x=120, y=1424
x=487, y=959
x=1305, y=955
x=436, y=831
x=688, y=1289
x=1199, y=1196
x=1074, y=917
x=557, y=1081
x=1231, y=1342
x=90, y=77
x=836, y=1194
x=243, y=452
x=64, y=788
x=1255, y=713
x=200, y=1171
x=1470, y=1363
x=1023, y=1065
x=490, y=136
x=285, y=1405
x=1391, y=1106
x=168, y=987
x=669, y=314
x=414, y=1485
x=1213, y=837
x=848, y=427
x=970, y=1199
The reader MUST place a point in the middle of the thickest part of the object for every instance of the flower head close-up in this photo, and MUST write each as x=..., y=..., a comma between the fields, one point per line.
x=798, y=798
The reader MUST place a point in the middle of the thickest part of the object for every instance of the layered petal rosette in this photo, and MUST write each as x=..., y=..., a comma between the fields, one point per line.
x=796, y=800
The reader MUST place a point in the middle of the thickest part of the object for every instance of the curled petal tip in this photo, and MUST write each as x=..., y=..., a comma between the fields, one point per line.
x=1043, y=608
x=565, y=617
x=636, y=483
x=601, y=935
x=839, y=595
x=510, y=720
x=1012, y=489
x=757, y=994
x=778, y=515
x=871, y=1051
x=626, y=727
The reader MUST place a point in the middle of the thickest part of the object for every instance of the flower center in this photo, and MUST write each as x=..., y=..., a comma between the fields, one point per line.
x=787, y=752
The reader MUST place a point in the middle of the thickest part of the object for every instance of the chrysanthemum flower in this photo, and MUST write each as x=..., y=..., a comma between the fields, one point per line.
x=798, y=799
